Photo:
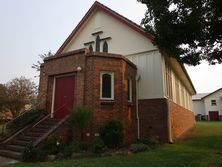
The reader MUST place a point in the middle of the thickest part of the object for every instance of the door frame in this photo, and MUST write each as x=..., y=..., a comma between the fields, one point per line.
x=53, y=90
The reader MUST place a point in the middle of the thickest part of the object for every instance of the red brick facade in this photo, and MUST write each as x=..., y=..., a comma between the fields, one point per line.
x=157, y=117
x=181, y=120
x=164, y=118
x=87, y=91
x=153, y=114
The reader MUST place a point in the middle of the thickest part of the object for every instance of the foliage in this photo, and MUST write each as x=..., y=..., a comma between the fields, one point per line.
x=75, y=146
x=112, y=133
x=23, y=120
x=41, y=155
x=16, y=93
x=29, y=153
x=98, y=146
x=138, y=147
x=152, y=141
x=42, y=56
x=188, y=30
x=3, y=95
x=53, y=145
x=80, y=117
x=201, y=148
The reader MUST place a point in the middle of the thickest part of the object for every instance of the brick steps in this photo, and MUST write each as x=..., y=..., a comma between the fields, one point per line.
x=15, y=147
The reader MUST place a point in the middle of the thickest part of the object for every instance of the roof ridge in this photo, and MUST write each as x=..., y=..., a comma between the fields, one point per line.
x=97, y=5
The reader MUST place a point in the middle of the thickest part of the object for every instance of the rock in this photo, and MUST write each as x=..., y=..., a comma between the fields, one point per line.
x=60, y=156
x=51, y=157
x=76, y=155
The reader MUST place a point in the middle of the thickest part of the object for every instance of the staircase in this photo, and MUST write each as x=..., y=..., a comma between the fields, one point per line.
x=15, y=145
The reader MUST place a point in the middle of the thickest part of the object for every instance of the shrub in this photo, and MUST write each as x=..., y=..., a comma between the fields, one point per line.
x=80, y=118
x=152, y=141
x=98, y=146
x=29, y=153
x=53, y=145
x=71, y=148
x=138, y=147
x=112, y=133
x=41, y=155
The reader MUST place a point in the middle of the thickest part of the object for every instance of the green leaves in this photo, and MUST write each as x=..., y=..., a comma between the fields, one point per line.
x=80, y=116
x=186, y=29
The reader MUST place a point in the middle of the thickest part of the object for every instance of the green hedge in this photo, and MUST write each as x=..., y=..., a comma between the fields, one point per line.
x=23, y=120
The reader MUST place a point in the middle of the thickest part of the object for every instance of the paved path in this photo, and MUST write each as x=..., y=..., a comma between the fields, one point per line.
x=5, y=161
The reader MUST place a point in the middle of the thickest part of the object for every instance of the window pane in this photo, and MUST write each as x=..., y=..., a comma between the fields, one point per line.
x=105, y=47
x=98, y=44
x=106, y=85
x=90, y=48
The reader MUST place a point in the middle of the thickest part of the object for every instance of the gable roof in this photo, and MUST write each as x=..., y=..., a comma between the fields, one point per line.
x=199, y=96
x=212, y=93
x=99, y=6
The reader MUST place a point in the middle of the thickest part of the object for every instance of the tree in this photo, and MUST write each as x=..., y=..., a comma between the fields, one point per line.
x=3, y=96
x=42, y=56
x=18, y=92
x=189, y=30
x=80, y=117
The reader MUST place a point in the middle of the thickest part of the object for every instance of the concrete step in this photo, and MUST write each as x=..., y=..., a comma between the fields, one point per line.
x=11, y=154
x=20, y=142
x=16, y=148
x=26, y=138
x=34, y=134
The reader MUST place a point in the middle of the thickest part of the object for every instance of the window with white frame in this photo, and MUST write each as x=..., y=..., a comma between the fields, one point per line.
x=107, y=85
x=213, y=102
x=129, y=90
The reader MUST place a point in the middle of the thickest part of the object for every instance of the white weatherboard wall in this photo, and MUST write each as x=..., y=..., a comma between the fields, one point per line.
x=124, y=40
x=215, y=96
x=128, y=42
x=198, y=107
x=150, y=70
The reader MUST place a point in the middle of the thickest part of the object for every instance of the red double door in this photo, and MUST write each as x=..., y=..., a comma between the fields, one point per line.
x=64, y=96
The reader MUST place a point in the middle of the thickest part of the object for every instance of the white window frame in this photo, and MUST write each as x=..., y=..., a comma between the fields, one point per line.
x=112, y=85
x=129, y=81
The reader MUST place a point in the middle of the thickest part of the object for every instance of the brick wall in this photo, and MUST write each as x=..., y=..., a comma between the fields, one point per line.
x=119, y=108
x=181, y=120
x=153, y=115
x=87, y=88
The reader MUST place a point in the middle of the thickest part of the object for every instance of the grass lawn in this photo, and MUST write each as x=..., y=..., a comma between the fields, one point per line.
x=201, y=148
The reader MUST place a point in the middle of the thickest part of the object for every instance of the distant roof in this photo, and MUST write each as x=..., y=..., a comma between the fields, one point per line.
x=213, y=92
x=199, y=96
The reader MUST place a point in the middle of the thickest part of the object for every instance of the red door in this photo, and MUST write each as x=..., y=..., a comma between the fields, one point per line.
x=64, y=96
x=214, y=115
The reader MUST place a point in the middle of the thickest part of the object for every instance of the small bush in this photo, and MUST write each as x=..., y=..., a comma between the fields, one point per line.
x=151, y=141
x=138, y=147
x=29, y=153
x=41, y=155
x=80, y=117
x=98, y=146
x=53, y=145
x=71, y=148
x=112, y=133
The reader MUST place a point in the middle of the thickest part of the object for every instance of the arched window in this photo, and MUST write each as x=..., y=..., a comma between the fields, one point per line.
x=107, y=85
x=105, y=47
x=97, y=43
x=90, y=48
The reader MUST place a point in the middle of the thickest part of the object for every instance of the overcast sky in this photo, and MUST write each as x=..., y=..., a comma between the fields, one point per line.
x=32, y=27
